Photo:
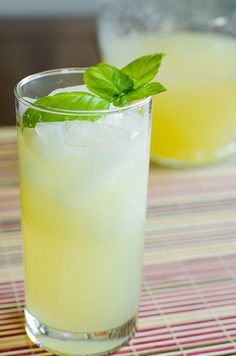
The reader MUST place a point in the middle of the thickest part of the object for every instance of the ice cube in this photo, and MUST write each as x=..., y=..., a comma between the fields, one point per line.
x=80, y=138
x=90, y=134
x=134, y=123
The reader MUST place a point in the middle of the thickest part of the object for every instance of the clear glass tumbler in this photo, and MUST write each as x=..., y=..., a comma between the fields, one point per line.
x=83, y=198
x=196, y=121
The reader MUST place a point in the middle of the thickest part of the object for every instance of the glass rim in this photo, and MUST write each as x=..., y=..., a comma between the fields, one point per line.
x=79, y=70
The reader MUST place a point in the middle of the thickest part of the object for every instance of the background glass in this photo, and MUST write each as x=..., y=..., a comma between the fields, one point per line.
x=83, y=198
x=196, y=121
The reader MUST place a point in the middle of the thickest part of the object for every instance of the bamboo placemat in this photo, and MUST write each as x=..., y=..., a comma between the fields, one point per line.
x=188, y=303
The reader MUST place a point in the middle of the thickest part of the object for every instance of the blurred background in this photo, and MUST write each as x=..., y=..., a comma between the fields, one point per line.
x=41, y=35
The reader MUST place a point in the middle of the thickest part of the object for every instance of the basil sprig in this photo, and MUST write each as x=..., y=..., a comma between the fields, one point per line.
x=107, y=85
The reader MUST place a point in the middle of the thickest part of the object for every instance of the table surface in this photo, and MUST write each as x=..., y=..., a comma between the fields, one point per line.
x=188, y=302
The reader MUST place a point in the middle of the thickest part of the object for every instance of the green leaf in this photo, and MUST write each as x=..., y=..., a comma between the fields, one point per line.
x=110, y=84
x=143, y=69
x=140, y=93
x=64, y=101
x=107, y=81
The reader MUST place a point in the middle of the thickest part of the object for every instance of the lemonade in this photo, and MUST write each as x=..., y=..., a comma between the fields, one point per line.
x=83, y=200
x=195, y=122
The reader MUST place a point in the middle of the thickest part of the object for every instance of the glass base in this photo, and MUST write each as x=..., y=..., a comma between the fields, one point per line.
x=69, y=343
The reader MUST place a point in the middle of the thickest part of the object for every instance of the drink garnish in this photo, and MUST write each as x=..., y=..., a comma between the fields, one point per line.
x=107, y=85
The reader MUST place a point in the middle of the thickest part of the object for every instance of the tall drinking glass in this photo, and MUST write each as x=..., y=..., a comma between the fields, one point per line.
x=83, y=198
x=196, y=121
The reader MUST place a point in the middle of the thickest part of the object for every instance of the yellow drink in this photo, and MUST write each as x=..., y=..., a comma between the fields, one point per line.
x=195, y=121
x=83, y=197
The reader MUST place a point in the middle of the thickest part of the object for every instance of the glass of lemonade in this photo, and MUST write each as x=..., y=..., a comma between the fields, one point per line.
x=196, y=121
x=83, y=197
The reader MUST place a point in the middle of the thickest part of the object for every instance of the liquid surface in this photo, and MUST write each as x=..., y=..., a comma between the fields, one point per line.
x=195, y=121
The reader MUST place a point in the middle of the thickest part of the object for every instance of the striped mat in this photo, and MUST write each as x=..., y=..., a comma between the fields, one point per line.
x=188, y=303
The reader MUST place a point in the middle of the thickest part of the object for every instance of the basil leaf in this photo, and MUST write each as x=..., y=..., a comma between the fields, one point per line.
x=140, y=93
x=64, y=101
x=143, y=69
x=107, y=81
x=110, y=84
